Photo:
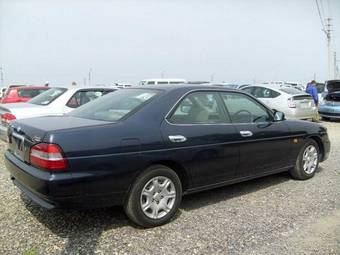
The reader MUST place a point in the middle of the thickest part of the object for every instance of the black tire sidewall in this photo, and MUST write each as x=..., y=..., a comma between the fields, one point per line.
x=302, y=173
x=133, y=207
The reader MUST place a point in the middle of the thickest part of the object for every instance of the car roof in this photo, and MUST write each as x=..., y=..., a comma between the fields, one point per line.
x=184, y=87
x=29, y=87
x=79, y=88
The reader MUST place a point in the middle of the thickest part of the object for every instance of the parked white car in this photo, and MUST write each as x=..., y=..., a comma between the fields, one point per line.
x=55, y=101
x=162, y=81
x=294, y=103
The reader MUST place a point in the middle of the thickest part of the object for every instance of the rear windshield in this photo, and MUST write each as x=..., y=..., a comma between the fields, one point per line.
x=30, y=93
x=48, y=96
x=115, y=106
x=290, y=91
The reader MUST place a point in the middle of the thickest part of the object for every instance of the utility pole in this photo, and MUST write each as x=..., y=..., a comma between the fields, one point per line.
x=335, y=66
x=327, y=31
x=90, y=72
x=1, y=76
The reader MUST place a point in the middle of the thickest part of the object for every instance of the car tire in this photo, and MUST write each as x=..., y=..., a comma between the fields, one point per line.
x=307, y=161
x=157, y=190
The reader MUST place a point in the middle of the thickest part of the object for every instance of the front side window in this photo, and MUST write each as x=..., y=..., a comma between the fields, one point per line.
x=243, y=109
x=199, y=108
x=48, y=96
x=115, y=106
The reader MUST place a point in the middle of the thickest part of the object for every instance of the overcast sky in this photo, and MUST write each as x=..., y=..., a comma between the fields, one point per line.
x=127, y=41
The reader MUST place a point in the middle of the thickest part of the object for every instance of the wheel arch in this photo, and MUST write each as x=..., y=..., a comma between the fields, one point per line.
x=177, y=168
x=318, y=140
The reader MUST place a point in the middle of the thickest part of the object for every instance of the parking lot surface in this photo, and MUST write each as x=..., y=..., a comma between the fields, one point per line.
x=271, y=215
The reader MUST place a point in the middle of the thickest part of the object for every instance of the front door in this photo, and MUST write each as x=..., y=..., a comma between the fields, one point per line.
x=200, y=137
x=264, y=143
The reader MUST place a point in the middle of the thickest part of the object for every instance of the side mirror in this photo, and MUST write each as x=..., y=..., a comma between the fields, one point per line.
x=278, y=116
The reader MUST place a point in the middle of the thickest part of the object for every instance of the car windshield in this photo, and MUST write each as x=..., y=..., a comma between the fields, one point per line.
x=290, y=91
x=320, y=87
x=48, y=96
x=115, y=106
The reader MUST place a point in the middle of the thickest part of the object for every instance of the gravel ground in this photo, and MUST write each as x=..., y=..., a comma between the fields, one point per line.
x=271, y=215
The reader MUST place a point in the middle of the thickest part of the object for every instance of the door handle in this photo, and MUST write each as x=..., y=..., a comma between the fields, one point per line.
x=246, y=133
x=177, y=138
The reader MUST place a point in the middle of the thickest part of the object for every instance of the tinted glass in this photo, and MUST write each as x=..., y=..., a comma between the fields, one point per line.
x=30, y=93
x=199, y=108
x=290, y=91
x=84, y=96
x=115, y=106
x=248, y=90
x=243, y=109
x=48, y=96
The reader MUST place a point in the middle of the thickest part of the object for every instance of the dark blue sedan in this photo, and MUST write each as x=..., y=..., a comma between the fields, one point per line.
x=145, y=147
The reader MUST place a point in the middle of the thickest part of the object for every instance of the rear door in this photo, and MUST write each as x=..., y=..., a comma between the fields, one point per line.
x=264, y=143
x=199, y=135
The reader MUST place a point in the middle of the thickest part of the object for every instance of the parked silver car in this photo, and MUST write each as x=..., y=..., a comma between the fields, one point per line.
x=294, y=103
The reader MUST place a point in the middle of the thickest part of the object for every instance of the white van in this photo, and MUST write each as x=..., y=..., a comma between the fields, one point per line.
x=161, y=81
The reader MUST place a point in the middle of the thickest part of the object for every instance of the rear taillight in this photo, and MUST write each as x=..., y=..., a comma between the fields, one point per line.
x=7, y=117
x=48, y=156
x=291, y=103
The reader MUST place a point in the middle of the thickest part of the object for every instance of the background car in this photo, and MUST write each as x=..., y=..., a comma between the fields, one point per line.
x=161, y=81
x=22, y=93
x=294, y=103
x=330, y=105
x=229, y=85
x=144, y=148
x=55, y=101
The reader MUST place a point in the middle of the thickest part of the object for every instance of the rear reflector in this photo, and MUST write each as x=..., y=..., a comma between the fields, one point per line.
x=48, y=156
x=7, y=117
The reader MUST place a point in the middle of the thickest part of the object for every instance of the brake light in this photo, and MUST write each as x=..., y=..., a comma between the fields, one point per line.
x=291, y=103
x=48, y=156
x=7, y=117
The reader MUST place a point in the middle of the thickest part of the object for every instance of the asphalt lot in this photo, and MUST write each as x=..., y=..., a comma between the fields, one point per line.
x=271, y=215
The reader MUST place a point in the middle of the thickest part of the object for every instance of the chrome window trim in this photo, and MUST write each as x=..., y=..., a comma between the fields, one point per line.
x=210, y=124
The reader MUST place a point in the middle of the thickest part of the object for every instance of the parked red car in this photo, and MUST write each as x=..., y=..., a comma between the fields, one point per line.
x=22, y=94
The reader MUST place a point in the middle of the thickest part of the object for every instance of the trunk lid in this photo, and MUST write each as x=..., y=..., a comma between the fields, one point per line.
x=23, y=134
x=333, y=86
x=303, y=101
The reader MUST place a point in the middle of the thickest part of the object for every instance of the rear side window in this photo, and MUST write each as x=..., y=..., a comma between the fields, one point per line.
x=84, y=96
x=199, y=108
x=248, y=90
x=243, y=109
x=261, y=92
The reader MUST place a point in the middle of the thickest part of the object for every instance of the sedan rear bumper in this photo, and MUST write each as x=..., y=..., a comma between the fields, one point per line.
x=42, y=187
x=330, y=111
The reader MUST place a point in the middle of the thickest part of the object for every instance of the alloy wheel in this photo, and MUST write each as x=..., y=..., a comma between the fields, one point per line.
x=158, y=197
x=310, y=159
